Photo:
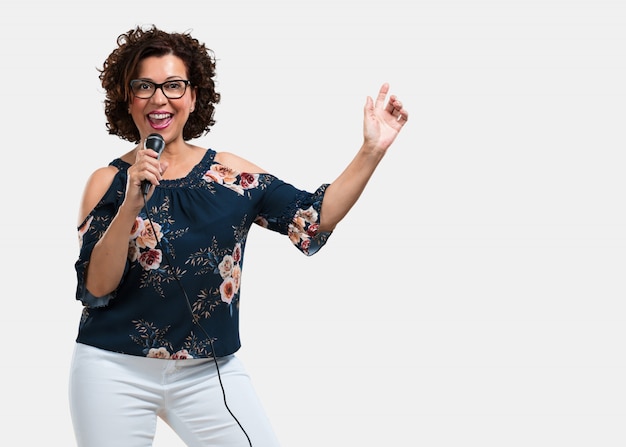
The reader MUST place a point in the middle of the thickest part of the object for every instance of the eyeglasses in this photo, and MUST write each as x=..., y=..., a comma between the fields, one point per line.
x=171, y=89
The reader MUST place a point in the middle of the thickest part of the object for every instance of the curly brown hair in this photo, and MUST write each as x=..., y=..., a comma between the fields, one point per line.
x=122, y=66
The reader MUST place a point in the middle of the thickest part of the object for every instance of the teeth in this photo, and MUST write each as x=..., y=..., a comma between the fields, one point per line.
x=159, y=116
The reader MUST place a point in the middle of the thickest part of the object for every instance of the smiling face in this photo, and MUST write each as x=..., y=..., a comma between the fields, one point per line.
x=159, y=113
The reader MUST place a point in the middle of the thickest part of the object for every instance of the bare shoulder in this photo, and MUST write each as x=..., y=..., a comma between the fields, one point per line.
x=97, y=185
x=102, y=176
x=237, y=163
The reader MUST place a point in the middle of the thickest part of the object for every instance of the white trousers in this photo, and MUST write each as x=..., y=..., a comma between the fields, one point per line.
x=115, y=400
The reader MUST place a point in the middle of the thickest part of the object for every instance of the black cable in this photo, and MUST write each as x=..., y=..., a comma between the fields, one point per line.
x=194, y=319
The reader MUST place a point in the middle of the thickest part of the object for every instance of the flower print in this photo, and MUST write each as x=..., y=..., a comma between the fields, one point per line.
x=133, y=251
x=227, y=290
x=249, y=181
x=230, y=271
x=143, y=236
x=305, y=244
x=182, y=355
x=82, y=230
x=303, y=227
x=152, y=339
x=299, y=222
x=137, y=228
x=149, y=237
x=313, y=229
x=237, y=253
x=226, y=266
x=236, y=275
x=220, y=174
x=296, y=231
x=212, y=176
x=309, y=215
x=158, y=353
x=231, y=179
x=150, y=259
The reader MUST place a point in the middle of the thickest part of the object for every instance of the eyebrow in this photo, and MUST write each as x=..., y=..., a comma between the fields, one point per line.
x=169, y=78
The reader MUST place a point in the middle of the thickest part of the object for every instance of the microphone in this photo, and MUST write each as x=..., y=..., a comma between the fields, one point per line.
x=155, y=142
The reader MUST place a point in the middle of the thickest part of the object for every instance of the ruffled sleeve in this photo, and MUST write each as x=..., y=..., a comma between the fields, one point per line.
x=90, y=231
x=295, y=213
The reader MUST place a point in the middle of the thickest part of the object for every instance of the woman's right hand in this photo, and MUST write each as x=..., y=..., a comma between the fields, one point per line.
x=147, y=167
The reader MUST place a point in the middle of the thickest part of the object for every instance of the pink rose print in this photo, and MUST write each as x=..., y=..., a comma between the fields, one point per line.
x=227, y=290
x=133, y=251
x=226, y=266
x=237, y=253
x=249, y=181
x=137, y=228
x=159, y=353
x=182, y=355
x=303, y=227
x=147, y=238
x=236, y=275
x=313, y=229
x=306, y=243
x=150, y=259
x=220, y=174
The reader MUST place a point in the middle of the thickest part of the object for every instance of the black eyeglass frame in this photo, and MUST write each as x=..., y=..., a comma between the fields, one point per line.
x=160, y=86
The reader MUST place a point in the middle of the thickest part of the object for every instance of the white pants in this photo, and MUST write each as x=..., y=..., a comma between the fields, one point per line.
x=115, y=400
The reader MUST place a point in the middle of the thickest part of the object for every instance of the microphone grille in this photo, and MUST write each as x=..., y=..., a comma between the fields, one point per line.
x=155, y=142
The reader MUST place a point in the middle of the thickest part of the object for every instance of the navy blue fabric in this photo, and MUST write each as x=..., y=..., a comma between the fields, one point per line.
x=201, y=223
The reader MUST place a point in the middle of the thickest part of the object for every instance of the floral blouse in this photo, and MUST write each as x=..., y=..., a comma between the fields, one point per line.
x=190, y=246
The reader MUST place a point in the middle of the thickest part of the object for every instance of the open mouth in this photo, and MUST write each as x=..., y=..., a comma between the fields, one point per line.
x=159, y=120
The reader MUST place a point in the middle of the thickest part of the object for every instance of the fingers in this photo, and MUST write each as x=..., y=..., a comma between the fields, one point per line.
x=394, y=107
x=148, y=166
x=382, y=94
x=397, y=110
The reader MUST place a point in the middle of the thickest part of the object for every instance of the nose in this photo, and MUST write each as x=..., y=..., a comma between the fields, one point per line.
x=159, y=96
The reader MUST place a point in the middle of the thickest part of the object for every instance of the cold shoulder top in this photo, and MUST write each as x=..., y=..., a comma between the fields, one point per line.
x=193, y=239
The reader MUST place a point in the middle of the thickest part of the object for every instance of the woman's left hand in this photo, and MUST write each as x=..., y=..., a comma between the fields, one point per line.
x=382, y=122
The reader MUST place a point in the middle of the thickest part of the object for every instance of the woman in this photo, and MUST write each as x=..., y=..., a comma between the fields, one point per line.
x=162, y=238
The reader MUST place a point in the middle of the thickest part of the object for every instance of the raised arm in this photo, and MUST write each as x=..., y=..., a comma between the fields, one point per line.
x=109, y=255
x=381, y=124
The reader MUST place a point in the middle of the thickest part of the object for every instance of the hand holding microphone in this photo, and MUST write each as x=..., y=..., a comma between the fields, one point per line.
x=155, y=142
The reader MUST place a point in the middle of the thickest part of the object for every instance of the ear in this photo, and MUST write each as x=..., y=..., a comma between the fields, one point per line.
x=193, y=99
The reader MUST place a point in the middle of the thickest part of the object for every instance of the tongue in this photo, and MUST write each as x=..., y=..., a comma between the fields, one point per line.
x=160, y=123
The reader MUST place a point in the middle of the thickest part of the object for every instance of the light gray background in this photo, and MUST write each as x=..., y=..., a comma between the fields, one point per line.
x=475, y=294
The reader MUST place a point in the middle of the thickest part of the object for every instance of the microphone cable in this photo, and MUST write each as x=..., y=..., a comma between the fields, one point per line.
x=194, y=318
